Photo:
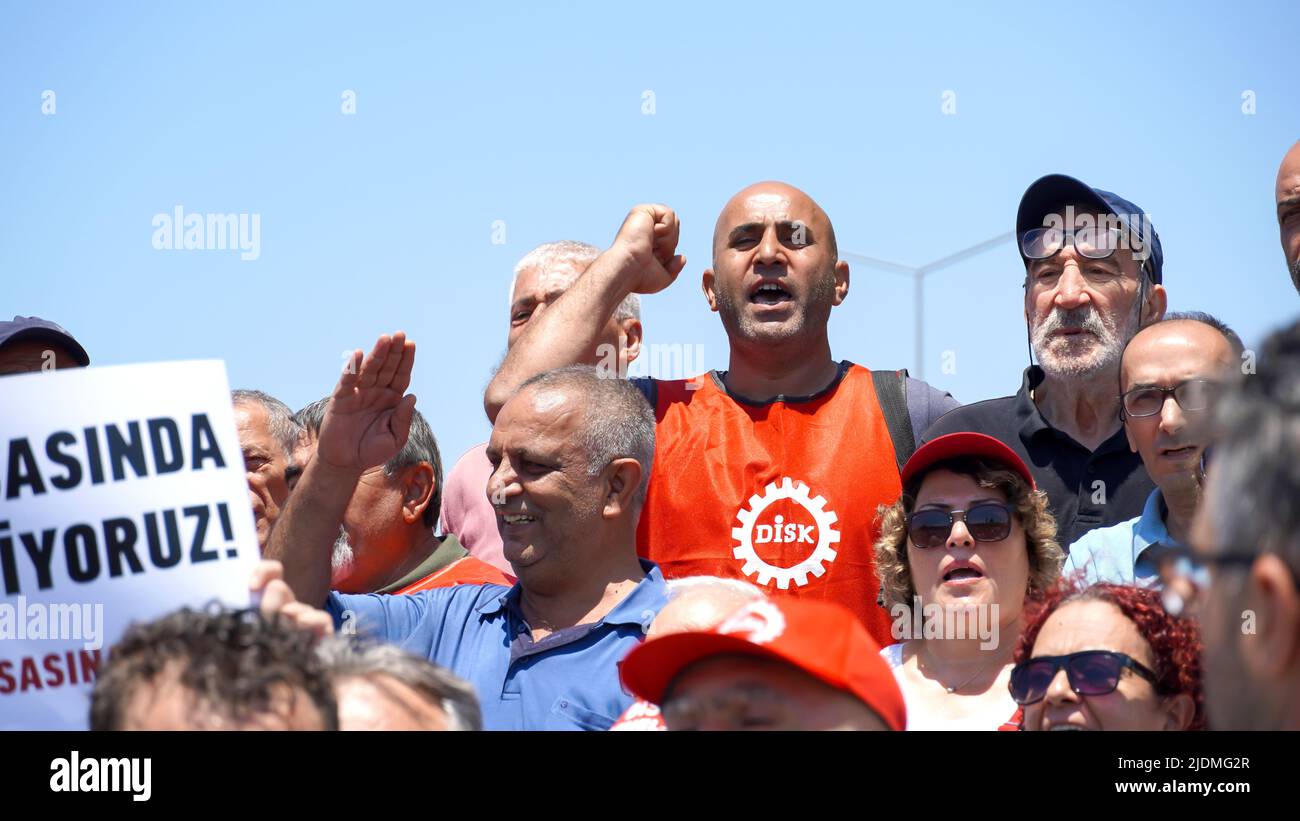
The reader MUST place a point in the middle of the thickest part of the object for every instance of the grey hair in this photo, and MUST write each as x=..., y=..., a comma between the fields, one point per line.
x=1255, y=465
x=349, y=657
x=310, y=416
x=284, y=428
x=421, y=446
x=618, y=423
x=687, y=584
x=581, y=255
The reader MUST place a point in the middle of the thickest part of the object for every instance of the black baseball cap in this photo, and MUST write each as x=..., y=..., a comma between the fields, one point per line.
x=1047, y=194
x=35, y=329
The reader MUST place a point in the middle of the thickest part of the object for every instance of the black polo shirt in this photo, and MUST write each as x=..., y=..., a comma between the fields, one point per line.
x=1086, y=489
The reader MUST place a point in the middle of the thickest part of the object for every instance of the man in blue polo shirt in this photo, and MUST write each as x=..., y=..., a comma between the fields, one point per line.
x=571, y=456
x=1171, y=373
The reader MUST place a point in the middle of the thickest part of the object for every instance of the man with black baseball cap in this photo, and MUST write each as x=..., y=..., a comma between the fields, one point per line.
x=28, y=343
x=1093, y=278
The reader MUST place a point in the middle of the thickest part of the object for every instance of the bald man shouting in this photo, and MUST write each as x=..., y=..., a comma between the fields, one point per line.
x=771, y=470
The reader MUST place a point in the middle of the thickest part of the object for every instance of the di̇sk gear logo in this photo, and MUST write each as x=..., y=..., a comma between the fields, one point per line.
x=758, y=623
x=764, y=573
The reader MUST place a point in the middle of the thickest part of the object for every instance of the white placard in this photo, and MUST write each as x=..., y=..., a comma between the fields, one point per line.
x=122, y=497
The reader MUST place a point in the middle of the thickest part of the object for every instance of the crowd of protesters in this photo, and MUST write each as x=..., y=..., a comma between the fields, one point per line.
x=795, y=542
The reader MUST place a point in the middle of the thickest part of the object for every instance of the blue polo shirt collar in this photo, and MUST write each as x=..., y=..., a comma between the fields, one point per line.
x=645, y=598
x=1150, y=530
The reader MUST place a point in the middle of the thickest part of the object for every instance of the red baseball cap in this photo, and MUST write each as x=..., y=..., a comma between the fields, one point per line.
x=823, y=639
x=966, y=443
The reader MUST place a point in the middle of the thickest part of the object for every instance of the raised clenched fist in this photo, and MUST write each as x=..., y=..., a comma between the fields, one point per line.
x=649, y=239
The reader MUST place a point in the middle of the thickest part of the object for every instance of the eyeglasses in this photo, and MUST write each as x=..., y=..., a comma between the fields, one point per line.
x=986, y=522
x=1091, y=242
x=1185, y=575
x=1191, y=395
x=1091, y=673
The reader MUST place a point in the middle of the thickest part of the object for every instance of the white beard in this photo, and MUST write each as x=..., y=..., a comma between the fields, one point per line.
x=343, y=559
x=1055, y=355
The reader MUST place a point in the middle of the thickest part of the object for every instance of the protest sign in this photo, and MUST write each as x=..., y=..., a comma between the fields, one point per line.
x=122, y=497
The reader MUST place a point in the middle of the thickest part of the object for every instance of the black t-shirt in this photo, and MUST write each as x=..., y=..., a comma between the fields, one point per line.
x=1086, y=489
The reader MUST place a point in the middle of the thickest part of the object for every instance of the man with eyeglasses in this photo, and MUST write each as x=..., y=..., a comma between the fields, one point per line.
x=1093, y=272
x=1171, y=373
x=1248, y=536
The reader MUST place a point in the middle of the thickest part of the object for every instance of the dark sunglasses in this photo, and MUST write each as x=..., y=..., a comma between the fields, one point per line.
x=1091, y=673
x=986, y=522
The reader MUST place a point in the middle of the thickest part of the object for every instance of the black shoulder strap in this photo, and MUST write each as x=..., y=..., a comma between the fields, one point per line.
x=891, y=393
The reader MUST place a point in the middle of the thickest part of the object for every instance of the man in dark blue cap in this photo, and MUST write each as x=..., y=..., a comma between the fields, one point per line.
x=30, y=343
x=1093, y=279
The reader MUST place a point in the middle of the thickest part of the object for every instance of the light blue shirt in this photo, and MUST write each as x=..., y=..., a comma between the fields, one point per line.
x=1125, y=553
x=566, y=681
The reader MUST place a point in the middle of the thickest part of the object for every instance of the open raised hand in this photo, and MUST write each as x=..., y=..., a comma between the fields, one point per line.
x=369, y=414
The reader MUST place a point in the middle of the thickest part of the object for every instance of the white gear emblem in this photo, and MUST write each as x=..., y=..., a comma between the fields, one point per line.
x=814, y=564
x=760, y=623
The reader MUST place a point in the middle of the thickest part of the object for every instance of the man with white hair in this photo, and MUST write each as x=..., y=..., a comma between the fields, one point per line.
x=1093, y=272
x=695, y=604
x=269, y=438
x=381, y=687
x=571, y=455
x=540, y=278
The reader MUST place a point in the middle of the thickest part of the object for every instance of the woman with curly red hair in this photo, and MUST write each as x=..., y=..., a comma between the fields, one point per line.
x=1107, y=657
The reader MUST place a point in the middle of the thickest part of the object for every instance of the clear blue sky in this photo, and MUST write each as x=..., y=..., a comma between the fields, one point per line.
x=466, y=115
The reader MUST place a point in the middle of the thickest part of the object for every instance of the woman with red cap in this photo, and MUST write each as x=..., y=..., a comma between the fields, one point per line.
x=967, y=541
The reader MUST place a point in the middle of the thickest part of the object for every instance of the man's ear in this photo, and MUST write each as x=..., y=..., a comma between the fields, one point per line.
x=1273, y=601
x=631, y=340
x=707, y=283
x=624, y=475
x=1157, y=302
x=418, y=486
x=841, y=282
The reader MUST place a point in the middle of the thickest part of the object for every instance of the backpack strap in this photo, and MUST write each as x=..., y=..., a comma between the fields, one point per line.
x=891, y=393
